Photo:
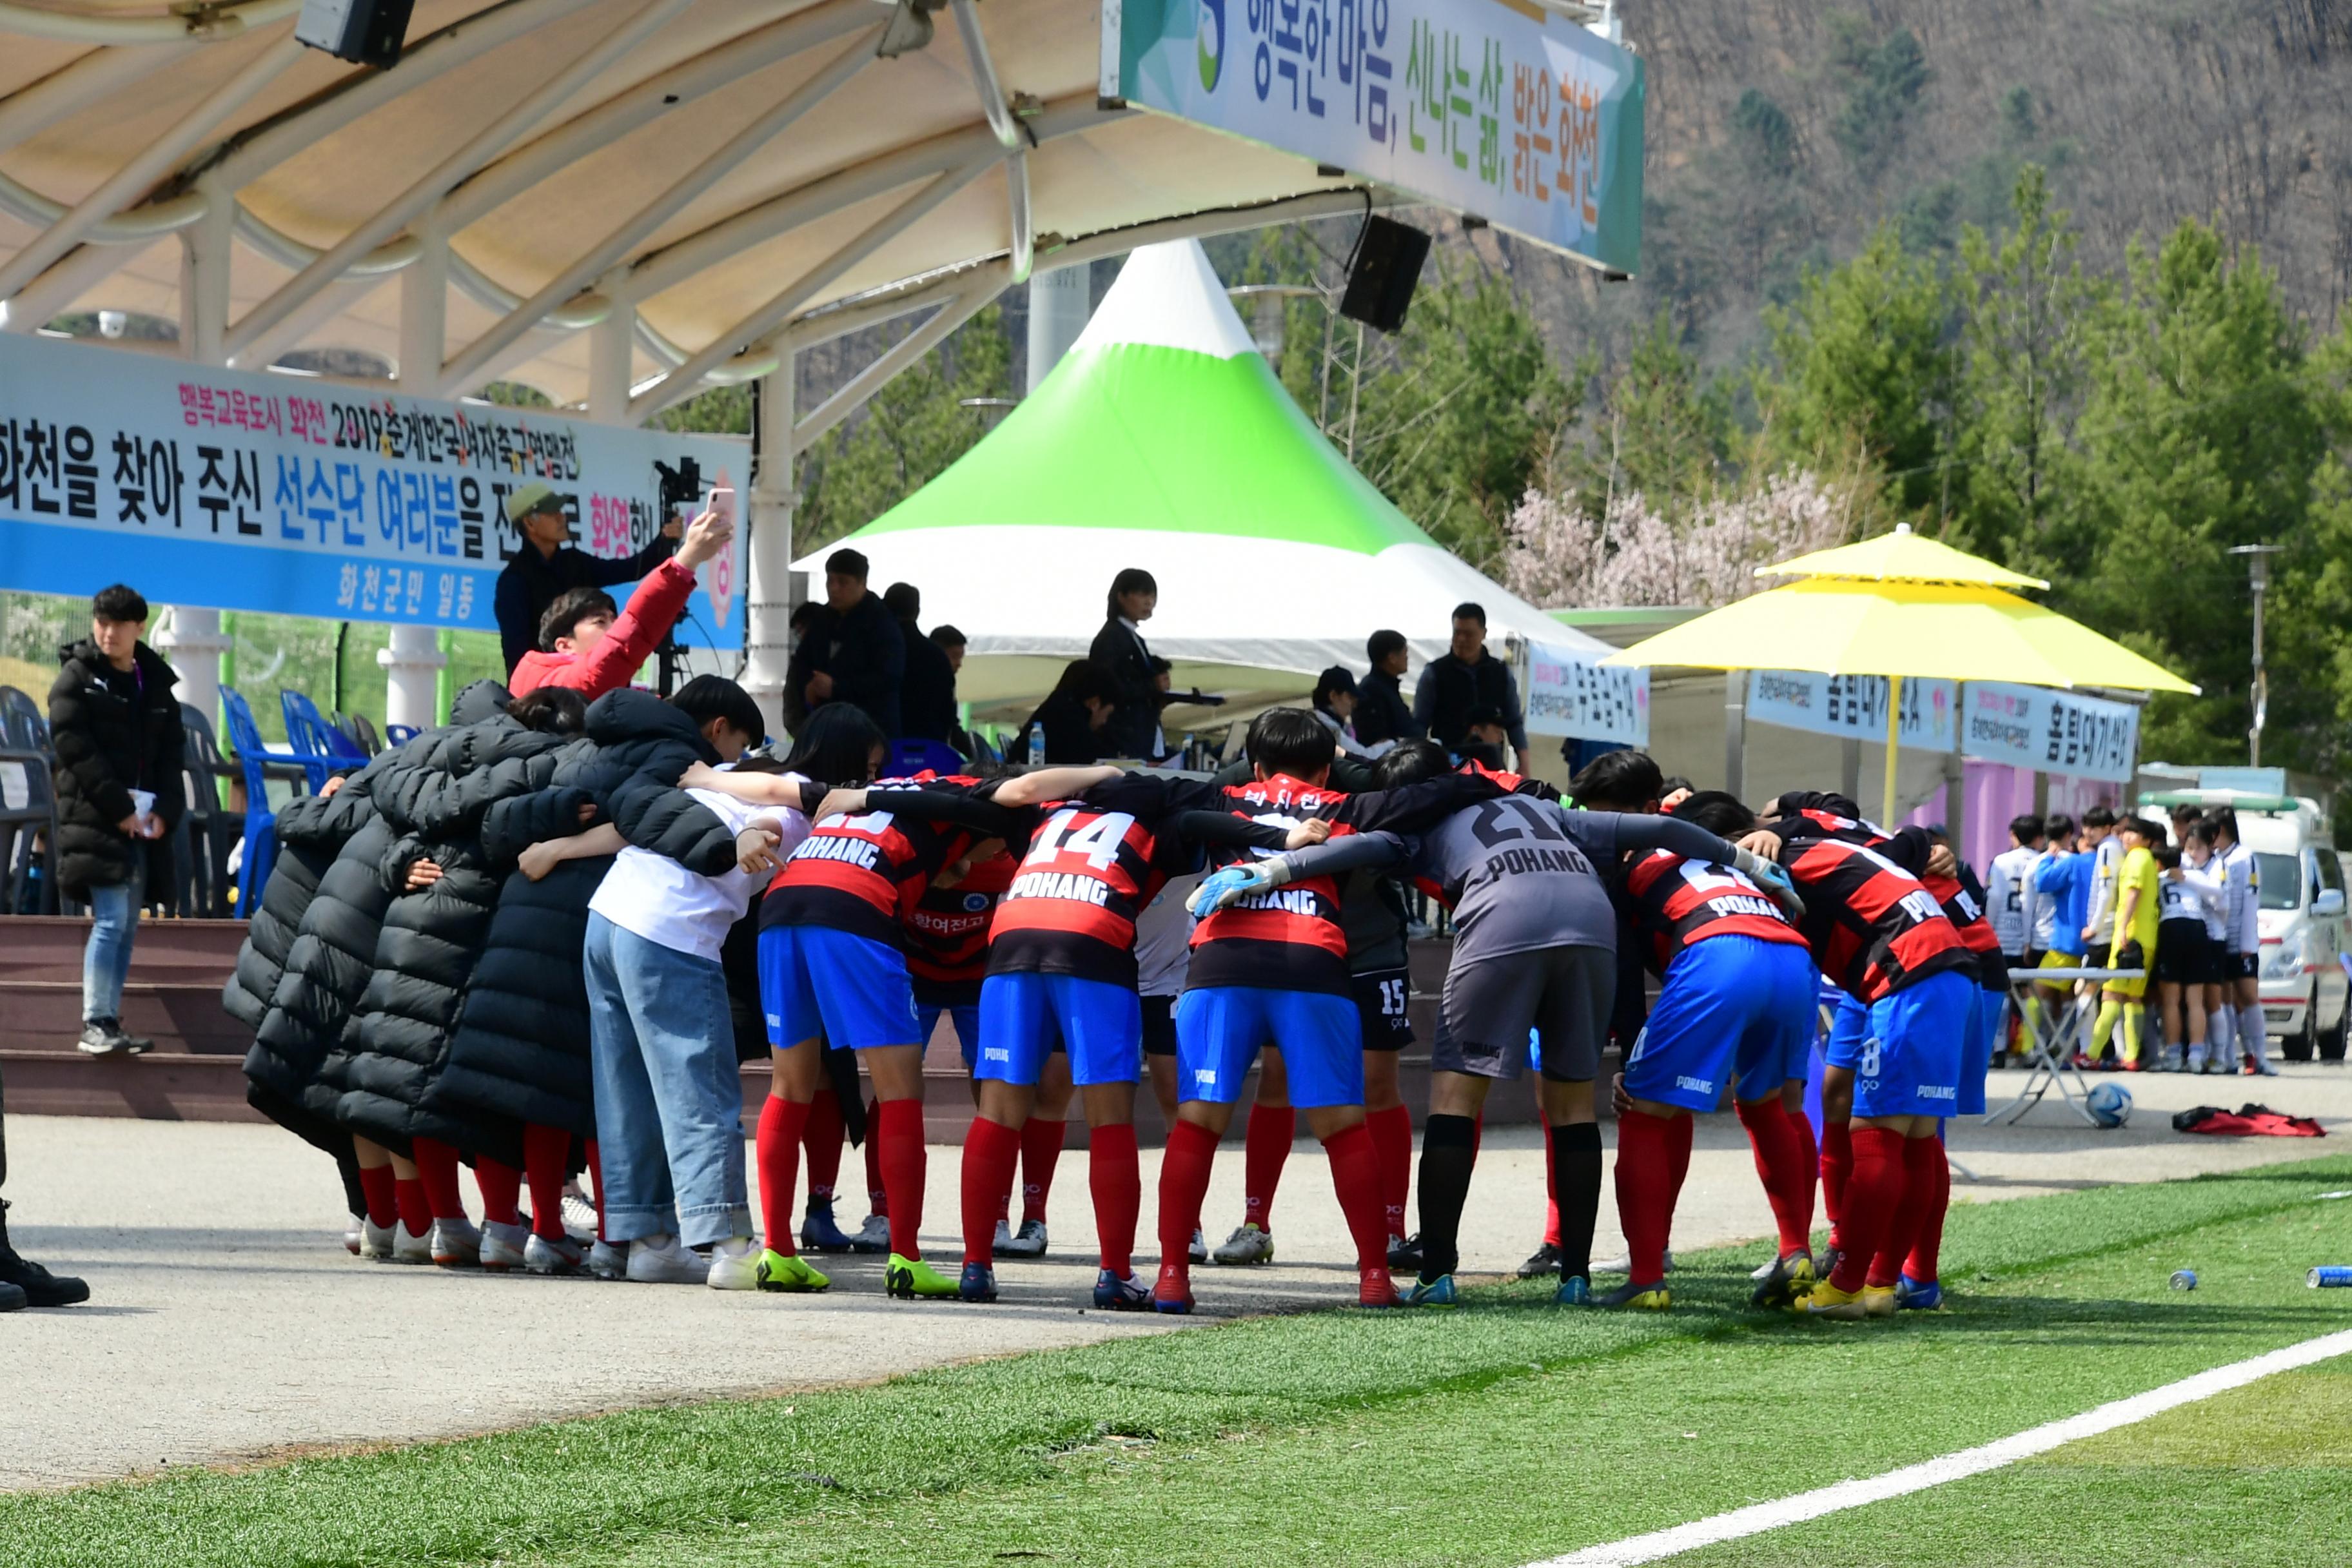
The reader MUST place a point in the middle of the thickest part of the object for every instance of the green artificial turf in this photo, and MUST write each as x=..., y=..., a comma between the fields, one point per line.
x=1497, y=1434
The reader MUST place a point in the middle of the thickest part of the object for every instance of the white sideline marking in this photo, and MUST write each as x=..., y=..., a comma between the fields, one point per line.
x=1760, y=1516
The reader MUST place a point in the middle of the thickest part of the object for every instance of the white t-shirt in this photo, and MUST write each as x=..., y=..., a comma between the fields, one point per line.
x=2009, y=892
x=1164, y=937
x=2243, y=921
x=2104, y=867
x=654, y=896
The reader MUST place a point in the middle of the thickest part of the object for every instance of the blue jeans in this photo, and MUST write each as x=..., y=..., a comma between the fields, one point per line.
x=106, y=962
x=669, y=1107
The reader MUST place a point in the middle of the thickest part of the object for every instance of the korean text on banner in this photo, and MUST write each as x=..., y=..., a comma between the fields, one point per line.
x=1512, y=112
x=2049, y=730
x=1854, y=707
x=245, y=490
x=1569, y=695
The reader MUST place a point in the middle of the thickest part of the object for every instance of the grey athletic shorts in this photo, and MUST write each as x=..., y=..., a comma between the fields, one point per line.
x=1563, y=993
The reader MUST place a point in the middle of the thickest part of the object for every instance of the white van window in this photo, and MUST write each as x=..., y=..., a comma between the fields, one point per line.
x=2331, y=870
x=2282, y=881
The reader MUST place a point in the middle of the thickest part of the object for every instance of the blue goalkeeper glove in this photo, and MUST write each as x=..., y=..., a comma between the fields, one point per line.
x=1223, y=890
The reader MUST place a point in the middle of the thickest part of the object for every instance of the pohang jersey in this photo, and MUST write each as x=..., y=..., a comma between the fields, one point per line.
x=866, y=873
x=1091, y=867
x=1283, y=939
x=947, y=930
x=1964, y=906
x=1674, y=901
x=1874, y=926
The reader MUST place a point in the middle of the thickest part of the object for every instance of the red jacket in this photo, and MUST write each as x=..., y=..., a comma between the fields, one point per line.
x=652, y=610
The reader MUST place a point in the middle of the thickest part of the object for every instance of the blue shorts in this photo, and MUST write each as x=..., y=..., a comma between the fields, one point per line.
x=851, y=991
x=967, y=1026
x=1975, y=1061
x=1731, y=1006
x=1905, y=1050
x=1023, y=1016
x=1219, y=1029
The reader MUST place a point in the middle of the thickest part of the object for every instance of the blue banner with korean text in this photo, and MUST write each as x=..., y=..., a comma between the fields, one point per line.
x=247, y=490
x=1502, y=108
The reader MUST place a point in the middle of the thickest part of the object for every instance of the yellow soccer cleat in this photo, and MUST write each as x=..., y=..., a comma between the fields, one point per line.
x=1630, y=1297
x=912, y=1280
x=1826, y=1301
x=1878, y=1301
x=778, y=1272
x=1788, y=1278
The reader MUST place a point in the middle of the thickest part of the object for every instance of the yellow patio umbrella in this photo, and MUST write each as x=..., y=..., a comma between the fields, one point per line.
x=1945, y=629
x=1902, y=556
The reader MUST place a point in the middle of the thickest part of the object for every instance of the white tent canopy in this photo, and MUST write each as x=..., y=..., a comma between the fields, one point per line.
x=1165, y=441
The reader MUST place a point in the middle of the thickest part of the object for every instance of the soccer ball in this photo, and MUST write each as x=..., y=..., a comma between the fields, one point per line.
x=2109, y=1104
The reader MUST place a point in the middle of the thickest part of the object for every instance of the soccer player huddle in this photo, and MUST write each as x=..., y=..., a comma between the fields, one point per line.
x=581, y=918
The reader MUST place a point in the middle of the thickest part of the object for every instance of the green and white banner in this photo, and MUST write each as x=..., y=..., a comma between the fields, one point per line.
x=1500, y=109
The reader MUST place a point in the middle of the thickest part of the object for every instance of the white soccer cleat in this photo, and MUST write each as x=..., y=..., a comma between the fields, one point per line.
x=874, y=1236
x=409, y=1248
x=1199, y=1250
x=456, y=1243
x=540, y=1255
x=666, y=1261
x=351, y=1235
x=734, y=1265
x=375, y=1240
x=1029, y=1241
x=502, y=1246
x=1250, y=1243
x=1623, y=1264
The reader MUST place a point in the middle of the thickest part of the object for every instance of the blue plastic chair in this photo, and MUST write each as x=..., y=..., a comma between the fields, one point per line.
x=260, y=822
x=399, y=734
x=321, y=746
x=908, y=757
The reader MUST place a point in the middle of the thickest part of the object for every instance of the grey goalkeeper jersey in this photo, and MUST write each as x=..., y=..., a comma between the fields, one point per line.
x=1520, y=873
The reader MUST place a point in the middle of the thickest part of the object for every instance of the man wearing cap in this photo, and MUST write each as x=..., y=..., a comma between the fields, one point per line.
x=548, y=564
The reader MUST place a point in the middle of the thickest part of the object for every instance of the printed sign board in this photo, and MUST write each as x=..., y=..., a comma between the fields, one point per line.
x=247, y=490
x=1567, y=694
x=2049, y=731
x=1854, y=707
x=1509, y=112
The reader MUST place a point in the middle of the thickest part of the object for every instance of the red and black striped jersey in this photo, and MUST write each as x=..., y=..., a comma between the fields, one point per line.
x=1873, y=926
x=947, y=930
x=1674, y=901
x=1090, y=869
x=1964, y=906
x=866, y=873
x=1285, y=939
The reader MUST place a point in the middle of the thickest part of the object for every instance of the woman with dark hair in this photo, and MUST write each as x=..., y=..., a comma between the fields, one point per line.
x=1079, y=717
x=1124, y=658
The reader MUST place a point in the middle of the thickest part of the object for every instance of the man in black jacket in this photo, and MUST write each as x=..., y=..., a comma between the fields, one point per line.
x=1464, y=678
x=548, y=564
x=1381, y=712
x=926, y=698
x=116, y=727
x=864, y=658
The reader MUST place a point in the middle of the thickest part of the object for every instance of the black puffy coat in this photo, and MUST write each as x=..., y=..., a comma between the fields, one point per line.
x=521, y=1043
x=398, y=1042
x=333, y=953
x=109, y=744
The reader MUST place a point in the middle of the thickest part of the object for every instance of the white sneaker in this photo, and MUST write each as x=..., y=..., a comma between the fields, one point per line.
x=609, y=1260
x=579, y=1213
x=456, y=1243
x=1623, y=1264
x=541, y=1255
x=1199, y=1250
x=409, y=1248
x=375, y=1241
x=734, y=1265
x=666, y=1261
x=351, y=1235
x=874, y=1236
x=1029, y=1241
x=1250, y=1243
x=502, y=1246
x=2196, y=1060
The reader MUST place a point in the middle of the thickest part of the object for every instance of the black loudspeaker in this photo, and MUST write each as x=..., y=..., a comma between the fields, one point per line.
x=365, y=32
x=1382, y=273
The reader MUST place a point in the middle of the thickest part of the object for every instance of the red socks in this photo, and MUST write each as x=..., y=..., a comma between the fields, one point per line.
x=778, y=1149
x=1779, y=1166
x=822, y=1137
x=546, y=1154
x=1874, y=1199
x=1392, y=1146
x=989, y=1148
x=1837, y=1166
x=1356, y=1173
x=437, y=1167
x=1809, y=1165
x=416, y=1211
x=1183, y=1186
x=1041, y=1151
x=501, y=1186
x=1648, y=1182
x=1551, y=1199
x=1264, y=1147
x=1115, y=1175
x=897, y=1132
x=877, y=1191
x=382, y=1201
x=1931, y=1187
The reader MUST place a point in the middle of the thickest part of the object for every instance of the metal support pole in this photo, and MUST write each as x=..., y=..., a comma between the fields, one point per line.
x=773, y=591
x=412, y=664
x=2258, y=566
x=1060, y=300
x=610, y=344
x=1850, y=769
x=1956, y=802
x=1735, y=732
